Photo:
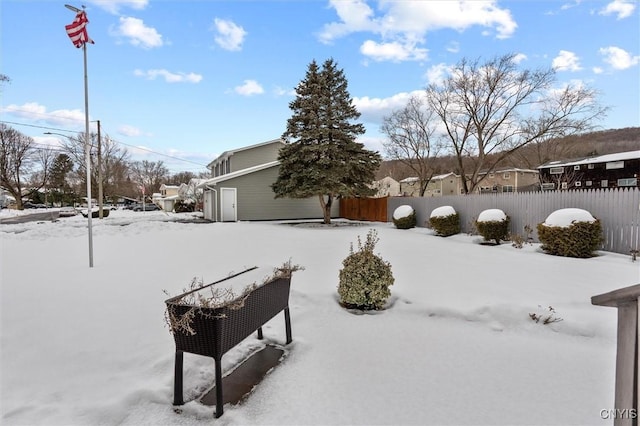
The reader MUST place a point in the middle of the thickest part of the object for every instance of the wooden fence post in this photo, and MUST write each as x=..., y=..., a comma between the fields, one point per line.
x=627, y=300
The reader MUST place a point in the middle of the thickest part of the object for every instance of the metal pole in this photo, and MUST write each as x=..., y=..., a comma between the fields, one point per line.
x=100, y=190
x=87, y=154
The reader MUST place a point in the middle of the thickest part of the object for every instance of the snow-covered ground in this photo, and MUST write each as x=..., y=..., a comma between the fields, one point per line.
x=88, y=346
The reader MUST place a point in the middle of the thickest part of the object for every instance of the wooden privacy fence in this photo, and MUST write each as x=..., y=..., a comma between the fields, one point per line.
x=618, y=210
x=370, y=209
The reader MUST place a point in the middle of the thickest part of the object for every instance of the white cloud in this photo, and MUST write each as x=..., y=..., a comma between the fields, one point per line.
x=169, y=77
x=403, y=25
x=437, y=73
x=36, y=112
x=249, y=88
x=453, y=47
x=372, y=110
x=355, y=16
x=113, y=6
x=621, y=8
x=566, y=61
x=126, y=130
x=519, y=57
x=393, y=51
x=618, y=58
x=229, y=36
x=281, y=91
x=138, y=34
x=597, y=70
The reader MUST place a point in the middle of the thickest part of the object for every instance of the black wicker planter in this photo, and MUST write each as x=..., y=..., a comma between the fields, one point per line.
x=217, y=330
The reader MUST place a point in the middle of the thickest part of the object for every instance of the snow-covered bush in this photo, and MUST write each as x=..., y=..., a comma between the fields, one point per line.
x=493, y=224
x=445, y=221
x=365, y=277
x=404, y=217
x=570, y=232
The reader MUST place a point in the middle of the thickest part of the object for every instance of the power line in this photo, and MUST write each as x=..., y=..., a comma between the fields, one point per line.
x=110, y=138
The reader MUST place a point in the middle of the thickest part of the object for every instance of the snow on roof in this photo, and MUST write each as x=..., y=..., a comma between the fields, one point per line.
x=410, y=179
x=440, y=177
x=238, y=173
x=620, y=156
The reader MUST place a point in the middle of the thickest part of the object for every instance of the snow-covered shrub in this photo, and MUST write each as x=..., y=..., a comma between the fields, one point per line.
x=365, y=277
x=493, y=224
x=404, y=217
x=445, y=221
x=570, y=232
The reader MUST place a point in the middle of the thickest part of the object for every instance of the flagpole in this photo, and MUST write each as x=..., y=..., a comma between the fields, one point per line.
x=87, y=154
x=87, y=144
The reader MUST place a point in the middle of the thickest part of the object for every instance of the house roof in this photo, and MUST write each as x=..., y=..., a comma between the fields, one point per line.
x=620, y=156
x=248, y=170
x=229, y=153
x=509, y=169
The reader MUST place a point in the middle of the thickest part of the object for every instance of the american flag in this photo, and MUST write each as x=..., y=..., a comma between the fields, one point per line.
x=77, y=30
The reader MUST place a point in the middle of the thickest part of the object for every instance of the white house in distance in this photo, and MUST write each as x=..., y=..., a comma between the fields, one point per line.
x=386, y=187
x=240, y=188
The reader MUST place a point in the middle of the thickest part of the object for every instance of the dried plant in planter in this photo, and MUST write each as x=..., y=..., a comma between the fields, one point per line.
x=203, y=300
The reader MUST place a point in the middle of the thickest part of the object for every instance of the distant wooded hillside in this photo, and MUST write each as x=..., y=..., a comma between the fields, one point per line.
x=532, y=156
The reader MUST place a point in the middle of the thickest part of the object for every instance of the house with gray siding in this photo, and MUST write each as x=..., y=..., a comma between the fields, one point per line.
x=240, y=188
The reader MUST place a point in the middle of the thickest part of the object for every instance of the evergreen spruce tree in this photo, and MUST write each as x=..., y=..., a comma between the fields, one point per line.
x=322, y=158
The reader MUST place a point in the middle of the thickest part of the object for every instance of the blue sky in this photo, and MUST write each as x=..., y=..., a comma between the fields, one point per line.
x=186, y=80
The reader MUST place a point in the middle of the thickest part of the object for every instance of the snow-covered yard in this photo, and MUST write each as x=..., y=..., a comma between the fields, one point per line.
x=86, y=346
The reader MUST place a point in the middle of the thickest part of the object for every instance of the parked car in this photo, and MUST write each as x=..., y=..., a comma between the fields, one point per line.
x=30, y=205
x=148, y=207
x=68, y=211
x=95, y=212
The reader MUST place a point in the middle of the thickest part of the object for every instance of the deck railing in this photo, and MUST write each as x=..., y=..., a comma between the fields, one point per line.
x=627, y=300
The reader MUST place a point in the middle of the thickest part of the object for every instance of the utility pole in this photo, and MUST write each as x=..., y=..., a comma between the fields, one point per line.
x=100, y=194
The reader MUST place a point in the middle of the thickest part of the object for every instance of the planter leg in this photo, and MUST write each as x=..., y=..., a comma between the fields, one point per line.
x=219, y=404
x=177, y=382
x=260, y=333
x=287, y=324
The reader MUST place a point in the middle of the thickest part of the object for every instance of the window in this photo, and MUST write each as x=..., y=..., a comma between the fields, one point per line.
x=577, y=184
x=556, y=170
x=491, y=175
x=563, y=185
x=507, y=188
x=604, y=183
x=588, y=183
x=615, y=165
x=506, y=175
x=576, y=167
x=590, y=166
x=548, y=186
x=628, y=182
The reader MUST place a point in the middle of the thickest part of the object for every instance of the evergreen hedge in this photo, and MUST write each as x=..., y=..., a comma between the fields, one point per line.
x=580, y=239
x=445, y=225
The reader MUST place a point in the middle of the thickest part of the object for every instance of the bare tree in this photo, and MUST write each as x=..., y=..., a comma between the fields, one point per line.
x=113, y=158
x=149, y=174
x=493, y=108
x=411, y=141
x=43, y=159
x=16, y=161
